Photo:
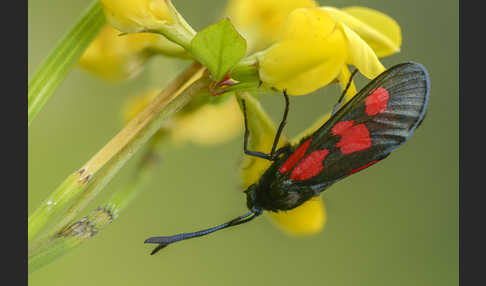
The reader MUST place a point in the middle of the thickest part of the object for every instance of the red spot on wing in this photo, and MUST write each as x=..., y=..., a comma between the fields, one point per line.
x=309, y=166
x=363, y=167
x=341, y=127
x=377, y=101
x=295, y=157
x=353, y=138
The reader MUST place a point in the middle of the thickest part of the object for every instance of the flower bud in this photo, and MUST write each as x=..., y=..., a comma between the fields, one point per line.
x=155, y=16
x=131, y=16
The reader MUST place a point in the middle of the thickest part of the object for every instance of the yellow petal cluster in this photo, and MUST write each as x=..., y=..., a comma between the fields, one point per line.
x=114, y=57
x=381, y=32
x=310, y=54
x=316, y=45
x=260, y=20
x=133, y=16
x=305, y=219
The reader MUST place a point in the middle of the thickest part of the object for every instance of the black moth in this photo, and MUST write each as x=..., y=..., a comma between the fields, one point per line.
x=376, y=121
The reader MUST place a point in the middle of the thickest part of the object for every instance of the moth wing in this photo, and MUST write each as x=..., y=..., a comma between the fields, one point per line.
x=365, y=130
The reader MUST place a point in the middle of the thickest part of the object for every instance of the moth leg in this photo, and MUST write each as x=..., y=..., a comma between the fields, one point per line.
x=283, y=150
x=273, y=154
x=335, y=109
x=280, y=128
x=247, y=135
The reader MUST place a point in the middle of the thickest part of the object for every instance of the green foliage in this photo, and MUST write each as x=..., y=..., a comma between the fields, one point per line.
x=218, y=47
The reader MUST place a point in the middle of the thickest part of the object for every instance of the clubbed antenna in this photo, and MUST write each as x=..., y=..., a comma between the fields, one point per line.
x=163, y=241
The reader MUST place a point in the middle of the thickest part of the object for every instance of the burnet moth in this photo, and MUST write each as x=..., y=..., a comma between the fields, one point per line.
x=377, y=120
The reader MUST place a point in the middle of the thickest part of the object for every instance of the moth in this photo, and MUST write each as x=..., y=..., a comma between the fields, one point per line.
x=377, y=120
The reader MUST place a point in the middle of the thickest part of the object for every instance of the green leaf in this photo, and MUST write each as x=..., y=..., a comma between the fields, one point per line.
x=55, y=68
x=218, y=47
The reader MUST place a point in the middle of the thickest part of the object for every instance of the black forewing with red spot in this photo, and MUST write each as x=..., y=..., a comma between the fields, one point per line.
x=380, y=118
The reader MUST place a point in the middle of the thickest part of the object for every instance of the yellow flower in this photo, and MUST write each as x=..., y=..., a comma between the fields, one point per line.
x=206, y=125
x=260, y=20
x=115, y=57
x=381, y=32
x=317, y=44
x=305, y=219
x=133, y=16
x=156, y=16
x=308, y=218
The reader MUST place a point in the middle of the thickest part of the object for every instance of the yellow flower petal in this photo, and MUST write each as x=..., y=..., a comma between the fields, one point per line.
x=262, y=133
x=260, y=21
x=115, y=57
x=343, y=77
x=361, y=55
x=305, y=61
x=306, y=219
x=380, y=31
x=133, y=16
x=209, y=124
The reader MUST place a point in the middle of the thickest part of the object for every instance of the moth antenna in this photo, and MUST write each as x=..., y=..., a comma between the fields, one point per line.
x=163, y=241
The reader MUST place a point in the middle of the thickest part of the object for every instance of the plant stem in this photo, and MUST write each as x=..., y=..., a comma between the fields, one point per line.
x=143, y=120
x=164, y=110
x=65, y=55
x=180, y=32
x=86, y=183
x=146, y=169
x=55, y=250
x=97, y=220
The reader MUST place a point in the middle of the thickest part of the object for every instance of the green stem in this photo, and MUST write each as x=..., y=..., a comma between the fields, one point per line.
x=180, y=31
x=65, y=55
x=51, y=217
x=97, y=220
x=180, y=36
x=52, y=206
x=146, y=170
x=55, y=250
x=246, y=70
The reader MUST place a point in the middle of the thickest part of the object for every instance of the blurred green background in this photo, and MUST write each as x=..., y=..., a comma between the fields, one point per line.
x=393, y=224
